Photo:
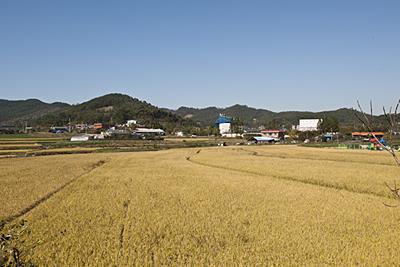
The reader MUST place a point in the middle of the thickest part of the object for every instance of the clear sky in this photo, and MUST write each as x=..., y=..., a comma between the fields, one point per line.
x=278, y=55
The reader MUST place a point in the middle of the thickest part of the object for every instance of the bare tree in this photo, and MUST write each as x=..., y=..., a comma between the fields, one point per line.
x=391, y=119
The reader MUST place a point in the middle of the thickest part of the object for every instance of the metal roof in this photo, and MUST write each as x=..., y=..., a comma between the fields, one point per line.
x=273, y=131
x=263, y=138
x=223, y=119
x=366, y=133
x=147, y=130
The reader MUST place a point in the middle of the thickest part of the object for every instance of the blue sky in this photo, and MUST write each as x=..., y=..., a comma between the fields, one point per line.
x=278, y=55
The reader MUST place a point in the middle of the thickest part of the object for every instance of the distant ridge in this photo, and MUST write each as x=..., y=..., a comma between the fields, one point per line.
x=14, y=111
x=253, y=117
x=117, y=108
x=114, y=109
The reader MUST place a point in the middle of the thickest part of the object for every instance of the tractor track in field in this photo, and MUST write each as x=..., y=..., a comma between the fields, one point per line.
x=341, y=187
x=125, y=206
x=39, y=201
x=9, y=253
x=257, y=154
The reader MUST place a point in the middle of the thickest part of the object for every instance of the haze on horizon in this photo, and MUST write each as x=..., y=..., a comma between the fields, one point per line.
x=286, y=55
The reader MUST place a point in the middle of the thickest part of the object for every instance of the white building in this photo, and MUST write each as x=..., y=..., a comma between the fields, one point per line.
x=131, y=122
x=179, y=134
x=308, y=125
x=224, y=128
x=149, y=131
x=224, y=124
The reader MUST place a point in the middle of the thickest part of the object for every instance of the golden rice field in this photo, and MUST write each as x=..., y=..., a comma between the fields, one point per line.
x=13, y=151
x=24, y=180
x=49, y=151
x=4, y=140
x=6, y=146
x=225, y=206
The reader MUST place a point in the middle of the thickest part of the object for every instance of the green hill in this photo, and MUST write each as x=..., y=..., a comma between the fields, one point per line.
x=252, y=117
x=114, y=109
x=19, y=111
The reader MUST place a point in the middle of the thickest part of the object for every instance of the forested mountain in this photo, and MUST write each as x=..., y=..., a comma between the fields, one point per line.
x=14, y=111
x=118, y=108
x=253, y=117
x=114, y=109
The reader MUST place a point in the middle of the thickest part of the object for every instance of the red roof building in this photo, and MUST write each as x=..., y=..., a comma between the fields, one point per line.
x=367, y=134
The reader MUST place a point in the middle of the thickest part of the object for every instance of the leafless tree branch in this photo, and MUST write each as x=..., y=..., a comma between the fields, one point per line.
x=392, y=124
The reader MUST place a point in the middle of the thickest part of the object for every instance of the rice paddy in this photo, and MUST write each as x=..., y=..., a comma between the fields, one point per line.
x=249, y=205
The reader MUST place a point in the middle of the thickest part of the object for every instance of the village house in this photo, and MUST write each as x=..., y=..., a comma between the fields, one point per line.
x=8, y=129
x=81, y=127
x=276, y=134
x=366, y=135
x=98, y=126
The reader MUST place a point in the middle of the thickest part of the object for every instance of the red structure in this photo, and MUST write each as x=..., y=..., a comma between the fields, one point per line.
x=367, y=134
